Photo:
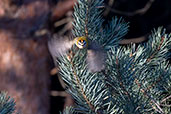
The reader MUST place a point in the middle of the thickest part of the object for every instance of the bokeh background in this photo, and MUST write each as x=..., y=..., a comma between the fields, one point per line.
x=27, y=71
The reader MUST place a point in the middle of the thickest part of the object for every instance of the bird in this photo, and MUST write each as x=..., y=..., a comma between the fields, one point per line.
x=95, y=59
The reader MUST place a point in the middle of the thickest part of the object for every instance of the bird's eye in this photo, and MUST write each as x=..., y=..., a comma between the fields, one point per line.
x=82, y=42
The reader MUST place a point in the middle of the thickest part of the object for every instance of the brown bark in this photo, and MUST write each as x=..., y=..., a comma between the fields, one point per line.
x=62, y=8
x=24, y=72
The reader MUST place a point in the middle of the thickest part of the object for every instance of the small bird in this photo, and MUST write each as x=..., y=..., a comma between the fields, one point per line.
x=95, y=54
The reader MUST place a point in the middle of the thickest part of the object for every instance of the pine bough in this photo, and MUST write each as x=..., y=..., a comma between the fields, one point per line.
x=136, y=80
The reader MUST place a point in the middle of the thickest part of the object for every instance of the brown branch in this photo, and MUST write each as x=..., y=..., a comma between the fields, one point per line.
x=62, y=21
x=58, y=93
x=152, y=100
x=62, y=8
x=133, y=40
x=139, y=11
x=54, y=71
x=86, y=22
x=165, y=105
x=162, y=40
x=68, y=99
x=121, y=83
x=166, y=99
x=158, y=49
x=79, y=84
x=153, y=84
x=144, y=91
x=110, y=3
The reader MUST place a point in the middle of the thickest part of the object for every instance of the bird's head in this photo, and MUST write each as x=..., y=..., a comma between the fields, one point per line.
x=81, y=42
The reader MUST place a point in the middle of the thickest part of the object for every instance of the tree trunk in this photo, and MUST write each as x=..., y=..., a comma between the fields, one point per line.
x=24, y=72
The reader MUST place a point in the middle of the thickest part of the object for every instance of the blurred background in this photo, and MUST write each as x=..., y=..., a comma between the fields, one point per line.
x=27, y=71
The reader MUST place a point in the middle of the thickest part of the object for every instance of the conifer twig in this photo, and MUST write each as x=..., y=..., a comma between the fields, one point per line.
x=157, y=50
x=166, y=98
x=153, y=84
x=152, y=100
x=79, y=84
x=121, y=83
x=86, y=22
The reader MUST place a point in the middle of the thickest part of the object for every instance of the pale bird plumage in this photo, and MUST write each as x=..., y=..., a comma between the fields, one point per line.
x=95, y=57
x=95, y=54
x=59, y=45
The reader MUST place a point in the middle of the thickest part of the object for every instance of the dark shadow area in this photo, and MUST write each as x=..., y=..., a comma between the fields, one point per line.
x=56, y=102
x=23, y=28
x=157, y=14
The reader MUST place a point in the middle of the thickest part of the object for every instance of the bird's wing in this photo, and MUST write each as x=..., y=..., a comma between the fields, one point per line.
x=59, y=45
x=95, y=58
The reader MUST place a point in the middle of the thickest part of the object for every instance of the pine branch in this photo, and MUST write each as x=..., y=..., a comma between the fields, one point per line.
x=113, y=33
x=158, y=45
x=7, y=104
x=123, y=79
x=73, y=75
x=84, y=84
x=152, y=100
x=69, y=110
x=166, y=99
x=80, y=86
x=134, y=79
x=157, y=50
x=141, y=70
x=87, y=19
